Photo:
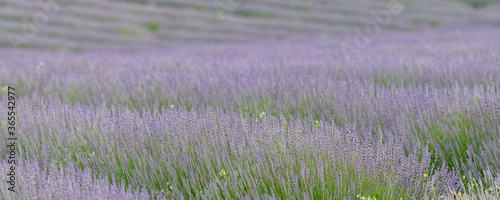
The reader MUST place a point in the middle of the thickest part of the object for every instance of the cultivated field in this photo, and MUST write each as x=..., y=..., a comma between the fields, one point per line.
x=251, y=100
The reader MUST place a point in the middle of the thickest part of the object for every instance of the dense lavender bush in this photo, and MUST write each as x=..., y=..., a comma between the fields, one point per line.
x=216, y=154
x=246, y=122
x=255, y=77
x=58, y=183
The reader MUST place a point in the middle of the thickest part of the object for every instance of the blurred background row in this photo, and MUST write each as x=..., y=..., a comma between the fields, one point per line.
x=79, y=25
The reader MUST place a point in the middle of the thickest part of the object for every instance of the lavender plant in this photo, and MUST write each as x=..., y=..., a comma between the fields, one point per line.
x=216, y=154
x=58, y=183
x=247, y=122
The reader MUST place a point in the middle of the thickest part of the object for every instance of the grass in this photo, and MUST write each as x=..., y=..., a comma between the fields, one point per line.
x=153, y=26
x=253, y=14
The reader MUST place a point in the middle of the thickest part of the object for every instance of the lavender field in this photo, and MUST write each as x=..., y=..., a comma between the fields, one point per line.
x=250, y=100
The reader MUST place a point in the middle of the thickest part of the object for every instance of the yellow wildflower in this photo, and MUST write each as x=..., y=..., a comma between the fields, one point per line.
x=459, y=194
x=425, y=175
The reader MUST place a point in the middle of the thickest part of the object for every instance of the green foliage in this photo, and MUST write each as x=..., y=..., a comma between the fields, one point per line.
x=253, y=13
x=153, y=26
x=479, y=3
x=129, y=32
x=199, y=7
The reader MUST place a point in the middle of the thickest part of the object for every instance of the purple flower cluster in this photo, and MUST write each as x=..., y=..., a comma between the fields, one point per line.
x=245, y=121
x=217, y=154
x=58, y=183
x=275, y=77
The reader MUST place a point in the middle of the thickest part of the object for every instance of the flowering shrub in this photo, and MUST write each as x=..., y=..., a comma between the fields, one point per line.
x=58, y=183
x=271, y=125
x=214, y=152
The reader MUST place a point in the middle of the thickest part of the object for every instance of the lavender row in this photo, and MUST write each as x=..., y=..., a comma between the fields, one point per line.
x=433, y=105
x=275, y=77
x=440, y=89
x=213, y=153
x=57, y=182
